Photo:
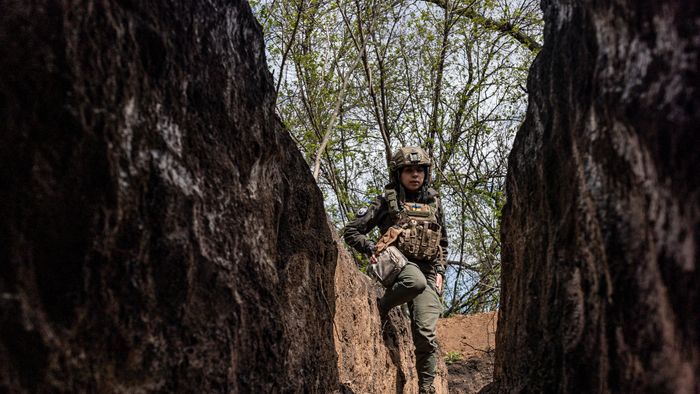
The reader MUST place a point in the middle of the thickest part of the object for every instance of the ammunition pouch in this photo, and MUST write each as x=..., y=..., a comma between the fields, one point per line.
x=417, y=233
x=420, y=241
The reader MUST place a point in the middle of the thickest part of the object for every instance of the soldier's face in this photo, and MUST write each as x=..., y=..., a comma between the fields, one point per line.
x=412, y=177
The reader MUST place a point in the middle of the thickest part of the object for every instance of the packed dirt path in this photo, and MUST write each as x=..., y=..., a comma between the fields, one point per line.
x=467, y=344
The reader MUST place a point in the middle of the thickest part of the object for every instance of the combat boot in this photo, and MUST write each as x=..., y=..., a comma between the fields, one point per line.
x=427, y=390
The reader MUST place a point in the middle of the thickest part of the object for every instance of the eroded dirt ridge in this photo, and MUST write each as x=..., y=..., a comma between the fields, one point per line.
x=601, y=234
x=160, y=232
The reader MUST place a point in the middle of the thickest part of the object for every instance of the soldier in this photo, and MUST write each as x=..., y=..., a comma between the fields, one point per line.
x=410, y=205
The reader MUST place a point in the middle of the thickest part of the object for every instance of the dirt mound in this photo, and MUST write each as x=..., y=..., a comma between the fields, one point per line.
x=469, y=335
x=471, y=375
x=467, y=343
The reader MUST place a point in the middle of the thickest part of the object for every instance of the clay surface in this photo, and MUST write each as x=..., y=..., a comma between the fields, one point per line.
x=468, y=341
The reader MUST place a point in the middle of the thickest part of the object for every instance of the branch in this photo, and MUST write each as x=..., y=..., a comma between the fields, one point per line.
x=503, y=26
x=361, y=46
x=334, y=118
x=437, y=92
x=300, y=9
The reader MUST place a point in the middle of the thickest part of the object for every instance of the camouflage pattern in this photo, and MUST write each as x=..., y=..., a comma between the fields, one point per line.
x=420, y=236
x=409, y=156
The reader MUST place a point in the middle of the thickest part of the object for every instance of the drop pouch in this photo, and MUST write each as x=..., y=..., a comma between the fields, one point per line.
x=389, y=263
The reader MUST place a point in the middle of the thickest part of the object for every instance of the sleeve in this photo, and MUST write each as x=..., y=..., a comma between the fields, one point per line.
x=442, y=260
x=355, y=232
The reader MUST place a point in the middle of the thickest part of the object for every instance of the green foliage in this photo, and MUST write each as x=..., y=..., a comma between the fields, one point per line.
x=452, y=357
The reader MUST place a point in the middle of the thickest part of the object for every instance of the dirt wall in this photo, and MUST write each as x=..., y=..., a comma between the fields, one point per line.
x=160, y=231
x=601, y=232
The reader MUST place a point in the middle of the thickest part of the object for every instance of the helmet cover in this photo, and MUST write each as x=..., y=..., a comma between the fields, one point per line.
x=409, y=156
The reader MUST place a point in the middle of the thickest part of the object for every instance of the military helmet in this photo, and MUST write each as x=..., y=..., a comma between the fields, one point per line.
x=409, y=156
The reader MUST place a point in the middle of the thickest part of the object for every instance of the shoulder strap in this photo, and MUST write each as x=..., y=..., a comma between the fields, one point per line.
x=392, y=199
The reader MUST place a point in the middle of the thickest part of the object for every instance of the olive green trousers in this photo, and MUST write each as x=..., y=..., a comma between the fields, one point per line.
x=415, y=285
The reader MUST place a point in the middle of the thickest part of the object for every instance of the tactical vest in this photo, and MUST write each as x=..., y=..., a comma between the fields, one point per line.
x=419, y=238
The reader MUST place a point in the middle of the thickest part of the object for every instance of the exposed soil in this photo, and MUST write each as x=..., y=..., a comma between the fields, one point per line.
x=467, y=343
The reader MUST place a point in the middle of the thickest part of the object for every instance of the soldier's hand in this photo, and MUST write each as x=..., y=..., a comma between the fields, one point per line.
x=372, y=257
x=439, y=283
